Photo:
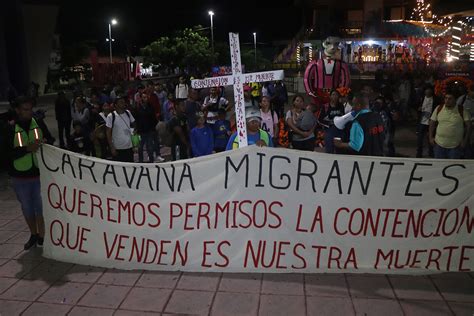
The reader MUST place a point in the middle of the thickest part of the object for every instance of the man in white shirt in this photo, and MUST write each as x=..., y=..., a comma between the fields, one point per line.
x=181, y=90
x=425, y=111
x=119, y=125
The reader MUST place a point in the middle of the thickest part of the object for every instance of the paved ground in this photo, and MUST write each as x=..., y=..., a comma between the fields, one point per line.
x=32, y=285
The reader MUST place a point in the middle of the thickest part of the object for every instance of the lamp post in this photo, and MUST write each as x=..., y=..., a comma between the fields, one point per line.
x=255, y=47
x=211, y=15
x=112, y=22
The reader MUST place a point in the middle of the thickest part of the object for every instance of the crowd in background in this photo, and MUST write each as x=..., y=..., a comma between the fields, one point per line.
x=134, y=123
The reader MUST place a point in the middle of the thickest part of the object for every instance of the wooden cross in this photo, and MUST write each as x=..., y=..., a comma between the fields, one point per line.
x=238, y=79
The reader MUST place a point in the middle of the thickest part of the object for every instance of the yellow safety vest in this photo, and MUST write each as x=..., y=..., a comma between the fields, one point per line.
x=23, y=139
x=263, y=136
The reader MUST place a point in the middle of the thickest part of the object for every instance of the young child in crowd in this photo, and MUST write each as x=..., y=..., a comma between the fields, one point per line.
x=222, y=131
x=202, y=138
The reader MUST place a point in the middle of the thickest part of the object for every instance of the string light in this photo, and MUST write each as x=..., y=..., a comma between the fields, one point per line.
x=455, y=47
x=471, y=55
x=298, y=53
x=456, y=28
x=421, y=10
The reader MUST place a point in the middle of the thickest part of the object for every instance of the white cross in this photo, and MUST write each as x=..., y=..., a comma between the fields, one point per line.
x=238, y=79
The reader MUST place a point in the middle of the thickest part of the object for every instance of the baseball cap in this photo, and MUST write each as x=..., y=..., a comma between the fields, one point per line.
x=252, y=114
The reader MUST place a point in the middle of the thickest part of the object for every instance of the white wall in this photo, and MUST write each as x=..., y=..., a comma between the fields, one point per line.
x=39, y=25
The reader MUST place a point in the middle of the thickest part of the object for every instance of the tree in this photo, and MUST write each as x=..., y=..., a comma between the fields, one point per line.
x=161, y=52
x=74, y=53
x=187, y=49
x=247, y=57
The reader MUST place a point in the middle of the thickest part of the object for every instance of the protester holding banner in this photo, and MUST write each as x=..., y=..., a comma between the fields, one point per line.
x=255, y=135
x=366, y=133
x=24, y=138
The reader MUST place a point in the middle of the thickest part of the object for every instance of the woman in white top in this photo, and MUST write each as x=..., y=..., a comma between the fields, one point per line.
x=269, y=122
x=80, y=112
x=181, y=89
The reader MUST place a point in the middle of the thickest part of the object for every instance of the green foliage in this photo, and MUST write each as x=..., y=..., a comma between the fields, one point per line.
x=74, y=53
x=186, y=49
x=247, y=57
x=190, y=49
x=161, y=51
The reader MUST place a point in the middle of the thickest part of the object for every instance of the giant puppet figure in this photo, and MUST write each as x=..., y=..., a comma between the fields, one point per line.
x=323, y=75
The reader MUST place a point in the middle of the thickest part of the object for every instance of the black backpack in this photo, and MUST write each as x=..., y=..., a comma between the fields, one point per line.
x=128, y=115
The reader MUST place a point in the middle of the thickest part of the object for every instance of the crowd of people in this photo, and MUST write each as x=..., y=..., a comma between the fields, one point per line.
x=134, y=124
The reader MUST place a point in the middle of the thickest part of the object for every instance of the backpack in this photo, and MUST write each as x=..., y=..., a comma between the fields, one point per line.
x=215, y=106
x=128, y=115
x=460, y=109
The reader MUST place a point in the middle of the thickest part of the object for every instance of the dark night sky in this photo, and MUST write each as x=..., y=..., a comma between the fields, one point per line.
x=141, y=21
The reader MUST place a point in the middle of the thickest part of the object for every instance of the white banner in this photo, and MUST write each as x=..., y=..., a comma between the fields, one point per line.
x=229, y=80
x=260, y=210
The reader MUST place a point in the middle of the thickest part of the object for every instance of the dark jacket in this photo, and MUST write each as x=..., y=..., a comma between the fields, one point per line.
x=145, y=119
x=80, y=143
x=62, y=108
x=374, y=136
